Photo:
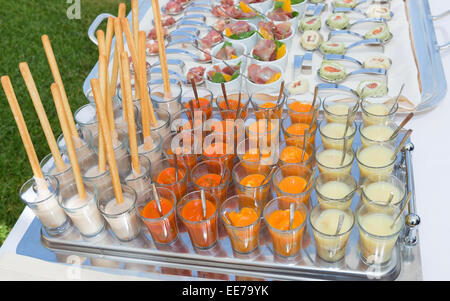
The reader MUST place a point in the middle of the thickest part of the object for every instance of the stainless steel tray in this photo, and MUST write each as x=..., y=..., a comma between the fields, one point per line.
x=404, y=265
x=427, y=50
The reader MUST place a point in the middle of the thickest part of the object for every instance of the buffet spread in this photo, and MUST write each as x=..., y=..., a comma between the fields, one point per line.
x=239, y=141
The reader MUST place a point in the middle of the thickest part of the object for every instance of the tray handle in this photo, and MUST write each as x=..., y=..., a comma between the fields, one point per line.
x=95, y=24
x=437, y=17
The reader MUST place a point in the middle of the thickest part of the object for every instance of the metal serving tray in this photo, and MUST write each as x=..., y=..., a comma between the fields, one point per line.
x=427, y=51
x=223, y=264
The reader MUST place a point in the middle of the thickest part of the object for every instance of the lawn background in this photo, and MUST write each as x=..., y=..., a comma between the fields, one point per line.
x=22, y=23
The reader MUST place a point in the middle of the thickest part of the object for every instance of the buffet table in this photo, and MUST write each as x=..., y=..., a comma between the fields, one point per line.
x=429, y=158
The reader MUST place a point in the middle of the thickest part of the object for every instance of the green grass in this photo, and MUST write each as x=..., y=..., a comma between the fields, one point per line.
x=22, y=24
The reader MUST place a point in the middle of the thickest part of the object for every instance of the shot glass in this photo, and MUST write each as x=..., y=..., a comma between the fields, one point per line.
x=294, y=181
x=182, y=121
x=296, y=133
x=337, y=107
x=121, y=217
x=267, y=104
x=42, y=198
x=226, y=127
x=161, y=225
x=378, y=234
x=169, y=102
x=163, y=175
x=202, y=229
x=287, y=242
x=211, y=176
x=162, y=125
x=153, y=149
x=264, y=131
x=329, y=161
x=83, y=213
x=229, y=111
x=300, y=110
x=65, y=176
x=376, y=193
x=332, y=134
x=377, y=133
x=375, y=110
x=83, y=146
x=375, y=160
x=248, y=151
x=204, y=103
x=291, y=152
x=183, y=145
x=244, y=213
x=253, y=182
x=86, y=117
x=330, y=244
x=101, y=180
x=139, y=182
x=120, y=150
x=216, y=148
x=335, y=191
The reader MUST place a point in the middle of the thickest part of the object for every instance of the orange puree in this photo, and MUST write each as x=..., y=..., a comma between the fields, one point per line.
x=218, y=149
x=193, y=210
x=167, y=176
x=300, y=107
x=254, y=180
x=293, y=184
x=245, y=217
x=280, y=219
x=293, y=154
x=151, y=209
x=297, y=129
x=253, y=155
x=233, y=104
x=209, y=180
x=204, y=106
x=268, y=105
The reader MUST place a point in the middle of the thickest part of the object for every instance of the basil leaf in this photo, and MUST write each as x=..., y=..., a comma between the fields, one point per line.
x=278, y=44
x=294, y=14
x=242, y=35
x=294, y=2
x=218, y=78
x=277, y=5
x=225, y=44
x=235, y=75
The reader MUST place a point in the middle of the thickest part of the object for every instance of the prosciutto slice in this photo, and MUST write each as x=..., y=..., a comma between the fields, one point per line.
x=152, y=34
x=219, y=11
x=167, y=20
x=260, y=75
x=280, y=15
x=265, y=50
x=173, y=7
x=278, y=32
x=236, y=13
x=210, y=39
x=226, y=53
x=196, y=73
x=239, y=27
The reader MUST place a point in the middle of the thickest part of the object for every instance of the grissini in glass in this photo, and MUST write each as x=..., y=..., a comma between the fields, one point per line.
x=49, y=168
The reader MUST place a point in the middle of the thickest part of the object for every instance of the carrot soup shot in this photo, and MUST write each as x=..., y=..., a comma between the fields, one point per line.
x=158, y=213
x=300, y=109
x=254, y=182
x=216, y=148
x=183, y=121
x=182, y=145
x=227, y=128
x=294, y=181
x=264, y=131
x=296, y=133
x=268, y=103
x=241, y=216
x=211, y=176
x=202, y=101
x=164, y=175
x=249, y=152
x=198, y=213
x=286, y=226
x=292, y=152
x=235, y=100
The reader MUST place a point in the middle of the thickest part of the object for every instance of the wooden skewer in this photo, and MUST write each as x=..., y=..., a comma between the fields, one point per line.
x=21, y=125
x=134, y=57
x=34, y=94
x=59, y=104
x=95, y=84
x=58, y=80
x=128, y=98
x=119, y=49
x=161, y=46
x=146, y=115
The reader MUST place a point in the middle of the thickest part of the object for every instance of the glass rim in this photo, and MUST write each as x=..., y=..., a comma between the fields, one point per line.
x=349, y=151
x=277, y=106
x=155, y=146
x=332, y=235
x=290, y=136
x=180, y=204
x=164, y=217
x=302, y=225
x=131, y=192
x=314, y=110
x=165, y=122
x=399, y=221
x=161, y=100
x=185, y=176
x=372, y=202
x=94, y=121
x=352, y=135
x=294, y=195
x=57, y=173
x=306, y=162
x=391, y=125
x=257, y=221
x=361, y=147
x=340, y=200
x=93, y=199
x=32, y=181
x=364, y=102
x=224, y=178
x=353, y=110
x=238, y=183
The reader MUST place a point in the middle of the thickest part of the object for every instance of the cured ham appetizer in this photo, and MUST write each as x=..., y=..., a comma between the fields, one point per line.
x=173, y=8
x=223, y=75
x=262, y=75
x=152, y=34
x=269, y=50
x=211, y=39
x=282, y=11
x=195, y=73
x=243, y=11
x=221, y=24
x=167, y=20
x=270, y=31
x=239, y=30
x=227, y=52
x=152, y=47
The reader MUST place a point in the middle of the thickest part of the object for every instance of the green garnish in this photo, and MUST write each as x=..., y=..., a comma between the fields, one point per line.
x=242, y=35
x=293, y=2
x=277, y=5
x=225, y=44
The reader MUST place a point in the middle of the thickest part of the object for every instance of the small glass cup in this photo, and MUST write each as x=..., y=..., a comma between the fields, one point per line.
x=171, y=103
x=299, y=108
x=377, y=133
x=244, y=238
x=264, y=131
x=184, y=145
x=45, y=204
x=292, y=134
x=373, y=169
x=101, y=180
x=332, y=134
x=162, y=126
x=204, y=104
x=331, y=246
x=249, y=151
x=216, y=148
x=328, y=161
x=337, y=107
x=288, y=179
x=233, y=101
x=182, y=121
x=153, y=151
x=376, y=111
x=120, y=150
x=83, y=213
x=84, y=151
x=287, y=243
x=121, y=217
x=48, y=167
x=227, y=127
x=377, y=237
x=266, y=103
x=202, y=231
x=335, y=191
x=163, y=228
x=140, y=182
x=163, y=175
x=375, y=193
x=211, y=176
x=121, y=122
x=86, y=117
x=291, y=152
x=241, y=173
